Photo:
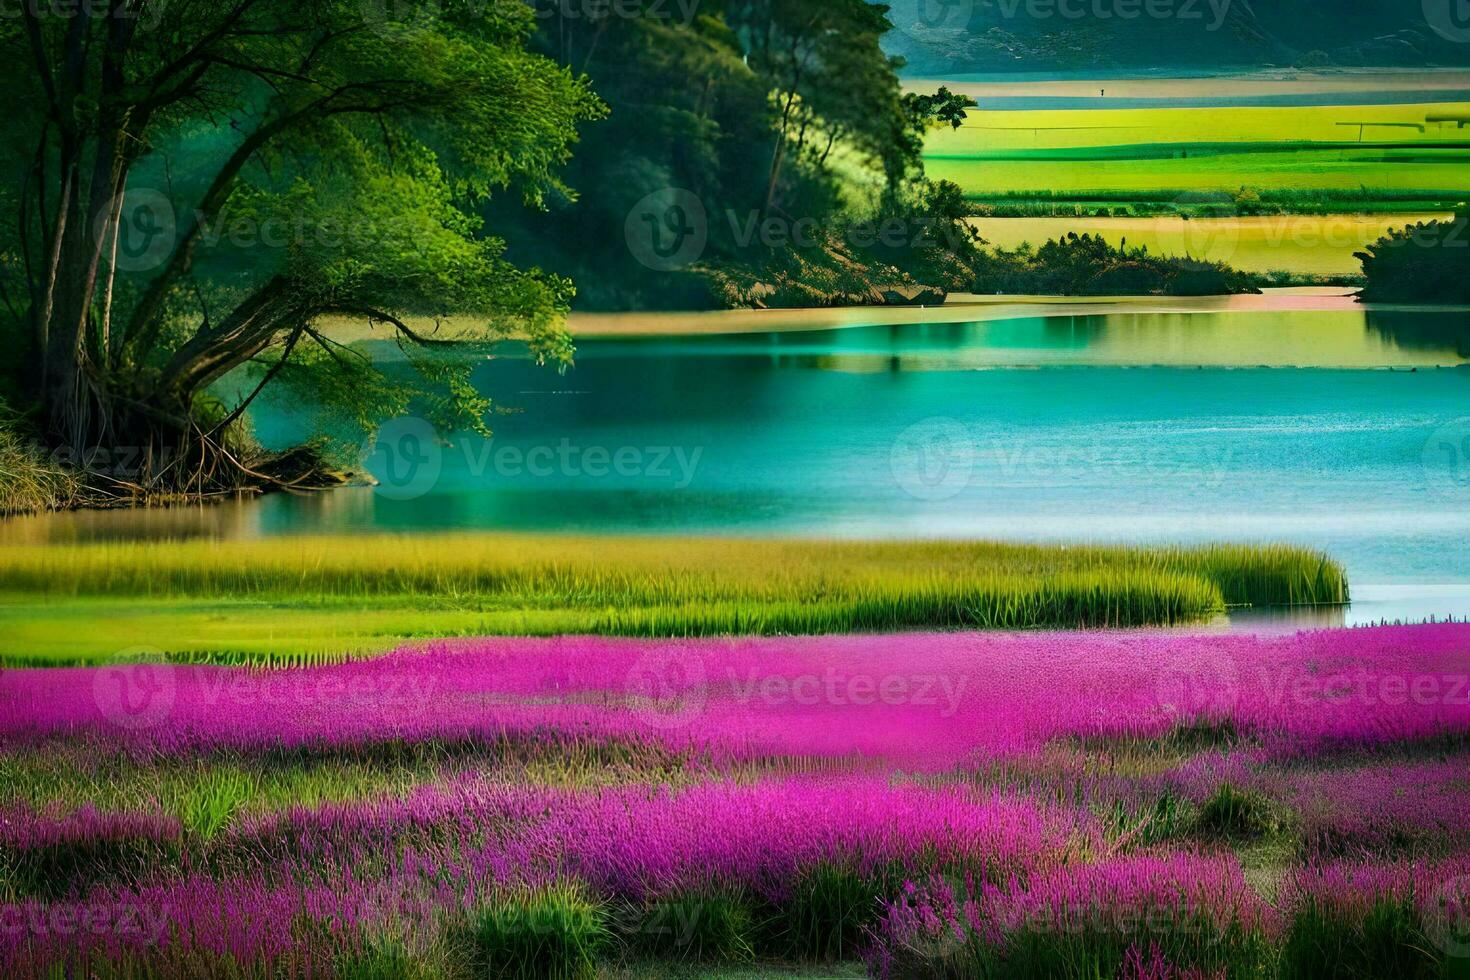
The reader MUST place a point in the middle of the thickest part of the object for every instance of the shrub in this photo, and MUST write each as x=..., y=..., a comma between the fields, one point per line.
x=1087, y=265
x=1427, y=262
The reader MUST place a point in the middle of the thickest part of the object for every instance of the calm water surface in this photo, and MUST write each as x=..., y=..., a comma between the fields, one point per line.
x=1341, y=429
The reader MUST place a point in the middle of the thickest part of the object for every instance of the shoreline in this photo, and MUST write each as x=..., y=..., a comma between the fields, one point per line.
x=968, y=308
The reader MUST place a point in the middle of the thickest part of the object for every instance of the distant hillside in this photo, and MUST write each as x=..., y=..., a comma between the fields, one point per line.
x=948, y=37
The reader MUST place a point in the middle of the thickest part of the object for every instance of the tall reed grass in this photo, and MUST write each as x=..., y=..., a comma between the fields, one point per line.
x=286, y=601
x=922, y=582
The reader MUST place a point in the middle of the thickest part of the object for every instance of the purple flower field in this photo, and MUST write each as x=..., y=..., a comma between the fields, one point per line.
x=1107, y=804
x=934, y=701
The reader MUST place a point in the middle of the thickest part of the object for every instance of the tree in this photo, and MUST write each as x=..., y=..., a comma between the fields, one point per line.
x=204, y=186
x=808, y=50
x=918, y=115
x=1426, y=262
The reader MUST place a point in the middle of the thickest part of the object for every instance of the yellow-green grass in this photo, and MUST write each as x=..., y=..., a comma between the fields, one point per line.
x=986, y=132
x=293, y=600
x=1304, y=244
x=1224, y=173
x=1114, y=151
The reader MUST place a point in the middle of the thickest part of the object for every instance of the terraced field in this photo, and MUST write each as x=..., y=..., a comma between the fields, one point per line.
x=1125, y=155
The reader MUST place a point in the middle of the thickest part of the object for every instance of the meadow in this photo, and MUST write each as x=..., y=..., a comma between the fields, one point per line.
x=1290, y=189
x=1102, y=804
x=1192, y=152
x=293, y=600
x=1300, y=244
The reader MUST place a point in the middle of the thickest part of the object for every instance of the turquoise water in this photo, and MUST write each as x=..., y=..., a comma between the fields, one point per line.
x=1032, y=429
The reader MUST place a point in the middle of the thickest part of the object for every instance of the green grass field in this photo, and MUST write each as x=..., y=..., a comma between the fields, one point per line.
x=296, y=600
x=1112, y=153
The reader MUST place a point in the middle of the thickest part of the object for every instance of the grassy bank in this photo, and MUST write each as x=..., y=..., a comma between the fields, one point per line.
x=296, y=598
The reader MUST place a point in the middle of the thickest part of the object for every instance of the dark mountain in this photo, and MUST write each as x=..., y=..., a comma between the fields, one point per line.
x=947, y=37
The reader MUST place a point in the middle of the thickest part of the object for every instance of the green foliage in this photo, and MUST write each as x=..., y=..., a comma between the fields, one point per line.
x=1205, y=733
x=1087, y=265
x=779, y=111
x=1233, y=814
x=1386, y=939
x=380, y=958
x=210, y=805
x=290, y=165
x=704, y=928
x=829, y=912
x=555, y=933
x=1185, y=944
x=1427, y=262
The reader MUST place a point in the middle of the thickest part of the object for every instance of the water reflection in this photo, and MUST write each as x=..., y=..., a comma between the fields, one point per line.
x=1350, y=339
x=1413, y=330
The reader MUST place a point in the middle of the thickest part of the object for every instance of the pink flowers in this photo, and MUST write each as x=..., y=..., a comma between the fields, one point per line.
x=1196, y=905
x=1034, y=791
x=928, y=701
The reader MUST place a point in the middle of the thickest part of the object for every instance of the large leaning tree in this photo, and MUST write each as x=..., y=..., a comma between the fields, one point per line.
x=202, y=190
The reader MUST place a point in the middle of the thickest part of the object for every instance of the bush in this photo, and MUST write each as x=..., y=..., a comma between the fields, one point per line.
x=1087, y=265
x=1424, y=263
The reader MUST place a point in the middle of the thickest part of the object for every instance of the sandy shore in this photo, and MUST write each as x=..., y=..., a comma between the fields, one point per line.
x=961, y=308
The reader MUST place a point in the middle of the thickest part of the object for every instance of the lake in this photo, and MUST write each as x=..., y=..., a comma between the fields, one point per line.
x=1335, y=427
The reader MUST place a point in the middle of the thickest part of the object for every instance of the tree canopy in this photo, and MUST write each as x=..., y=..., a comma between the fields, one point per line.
x=198, y=187
x=209, y=200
